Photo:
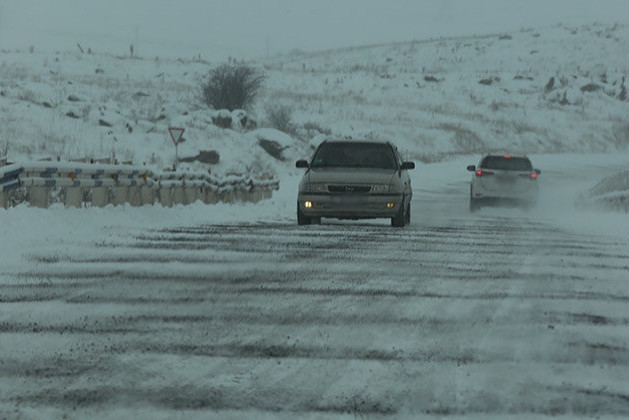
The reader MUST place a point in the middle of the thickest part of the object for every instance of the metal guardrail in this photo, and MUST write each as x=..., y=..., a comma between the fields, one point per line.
x=611, y=193
x=9, y=178
x=102, y=184
x=616, y=182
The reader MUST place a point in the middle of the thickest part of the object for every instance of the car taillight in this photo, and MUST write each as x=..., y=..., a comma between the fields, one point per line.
x=532, y=175
x=480, y=172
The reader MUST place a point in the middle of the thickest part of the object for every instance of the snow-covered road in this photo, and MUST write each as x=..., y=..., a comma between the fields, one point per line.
x=498, y=313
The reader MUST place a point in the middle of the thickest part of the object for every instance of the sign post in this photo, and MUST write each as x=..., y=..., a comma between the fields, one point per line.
x=176, y=134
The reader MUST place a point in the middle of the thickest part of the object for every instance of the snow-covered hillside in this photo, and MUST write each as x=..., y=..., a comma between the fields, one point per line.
x=471, y=94
x=559, y=89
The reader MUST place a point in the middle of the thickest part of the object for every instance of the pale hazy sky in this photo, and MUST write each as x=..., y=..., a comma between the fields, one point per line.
x=251, y=28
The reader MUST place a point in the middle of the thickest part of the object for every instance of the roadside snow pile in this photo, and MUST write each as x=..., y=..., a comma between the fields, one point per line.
x=611, y=193
x=100, y=108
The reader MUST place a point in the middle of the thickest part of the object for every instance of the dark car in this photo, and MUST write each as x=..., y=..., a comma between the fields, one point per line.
x=353, y=179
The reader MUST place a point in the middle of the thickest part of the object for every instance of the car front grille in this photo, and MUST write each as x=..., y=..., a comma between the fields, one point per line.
x=349, y=189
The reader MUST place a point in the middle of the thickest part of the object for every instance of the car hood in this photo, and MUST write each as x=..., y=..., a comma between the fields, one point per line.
x=350, y=175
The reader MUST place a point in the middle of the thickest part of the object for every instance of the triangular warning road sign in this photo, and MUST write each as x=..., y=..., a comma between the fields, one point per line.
x=175, y=134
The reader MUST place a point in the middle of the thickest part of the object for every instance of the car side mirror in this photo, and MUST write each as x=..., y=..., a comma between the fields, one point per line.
x=471, y=168
x=301, y=164
x=537, y=171
x=407, y=165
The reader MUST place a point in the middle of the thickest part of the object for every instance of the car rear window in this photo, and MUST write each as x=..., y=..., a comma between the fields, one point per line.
x=354, y=155
x=507, y=163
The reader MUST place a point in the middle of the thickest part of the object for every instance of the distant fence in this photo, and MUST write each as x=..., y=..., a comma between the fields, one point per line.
x=611, y=193
x=84, y=184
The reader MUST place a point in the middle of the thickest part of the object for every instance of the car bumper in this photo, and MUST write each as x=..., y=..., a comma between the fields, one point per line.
x=529, y=195
x=359, y=206
x=505, y=202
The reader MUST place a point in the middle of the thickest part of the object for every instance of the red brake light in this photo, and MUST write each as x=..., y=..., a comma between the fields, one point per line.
x=480, y=172
x=532, y=175
x=507, y=157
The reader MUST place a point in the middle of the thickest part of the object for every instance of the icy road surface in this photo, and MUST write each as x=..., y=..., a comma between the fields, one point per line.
x=499, y=313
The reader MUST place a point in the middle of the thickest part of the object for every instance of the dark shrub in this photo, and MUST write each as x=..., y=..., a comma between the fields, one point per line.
x=232, y=86
x=590, y=87
x=273, y=148
x=222, y=119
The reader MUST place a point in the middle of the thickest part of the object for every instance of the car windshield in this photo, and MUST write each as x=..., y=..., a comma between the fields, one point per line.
x=507, y=163
x=355, y=155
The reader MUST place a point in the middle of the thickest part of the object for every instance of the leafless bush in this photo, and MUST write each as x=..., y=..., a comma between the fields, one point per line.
x=28, y=95
x=498, y=105
x=280, y=117
x=621, y=135
x=464, y=139
x=232, y=86
x=311, y=126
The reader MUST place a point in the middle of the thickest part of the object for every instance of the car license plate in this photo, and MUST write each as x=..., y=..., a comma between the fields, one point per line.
x=345, y=199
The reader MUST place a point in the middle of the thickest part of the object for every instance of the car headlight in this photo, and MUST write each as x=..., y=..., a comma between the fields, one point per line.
x=309, y=187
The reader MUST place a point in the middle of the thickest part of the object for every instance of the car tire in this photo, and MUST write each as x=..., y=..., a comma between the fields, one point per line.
x=474, y=204
x=399, y=220
x=301, y=219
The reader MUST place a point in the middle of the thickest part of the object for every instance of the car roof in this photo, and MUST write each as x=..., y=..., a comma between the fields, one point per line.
x=513, y=155
x=363, y=141
x=356, y=141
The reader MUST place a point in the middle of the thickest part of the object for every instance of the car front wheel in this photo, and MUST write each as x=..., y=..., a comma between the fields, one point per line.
x=408, y=214
x=400, y=219
x=301, y=219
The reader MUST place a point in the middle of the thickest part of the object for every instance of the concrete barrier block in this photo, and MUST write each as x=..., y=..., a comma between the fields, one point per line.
x=39, y=197
x=240, y=195
x=202, y=194
x=73, y=197
x=165, y=197
x=178, y=195
x=211, y=197
x=147, y=195
x=120, y=195
x=100, y=196
x=226, y=197
x=135, y=196
x=191, y=194
x=255, y=196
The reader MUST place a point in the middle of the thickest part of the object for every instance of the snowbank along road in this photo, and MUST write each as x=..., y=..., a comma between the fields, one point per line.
x=459, y=314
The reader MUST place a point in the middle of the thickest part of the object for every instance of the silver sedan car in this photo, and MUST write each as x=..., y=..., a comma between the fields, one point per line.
x=503, y=179
x=354, y=179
